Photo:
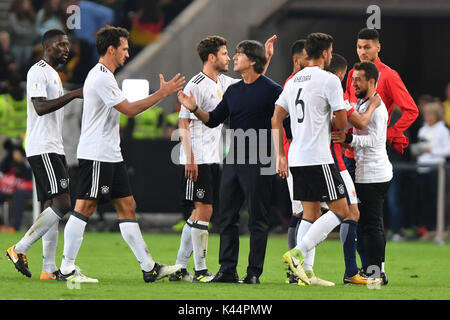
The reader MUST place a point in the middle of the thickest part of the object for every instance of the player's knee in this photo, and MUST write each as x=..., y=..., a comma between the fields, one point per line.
x=345, y=212
x=126, y=208
x=342, y=210
x=202, y=212
x=86, y=207
x=132, y=206
x=62, y=203
x=353, y=212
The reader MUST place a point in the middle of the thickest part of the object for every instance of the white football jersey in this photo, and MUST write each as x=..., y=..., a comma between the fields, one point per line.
x=311, y=97
x=44, y=133
x=372, y=161
x=100, y=139
x=205, y=141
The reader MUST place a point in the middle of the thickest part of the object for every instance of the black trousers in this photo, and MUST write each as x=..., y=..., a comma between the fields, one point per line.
x=241, y=182
x=372, y=197
x=427, y=182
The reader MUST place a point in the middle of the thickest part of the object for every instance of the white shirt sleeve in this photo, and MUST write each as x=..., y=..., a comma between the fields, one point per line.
x=376, y=132
x=441, y=145
x=282, y=100
x=109, y=91
x=37, y=84
x=334, y=94
x=229, y=81
x=184, y=113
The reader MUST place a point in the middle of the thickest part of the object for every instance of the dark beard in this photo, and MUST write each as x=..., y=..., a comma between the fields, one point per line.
x=61, y=60
x=362, y=94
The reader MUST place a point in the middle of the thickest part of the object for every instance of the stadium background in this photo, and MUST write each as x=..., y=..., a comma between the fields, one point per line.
x=415, y=42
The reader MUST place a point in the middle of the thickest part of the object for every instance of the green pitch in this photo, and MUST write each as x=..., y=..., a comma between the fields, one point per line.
x=416, y=270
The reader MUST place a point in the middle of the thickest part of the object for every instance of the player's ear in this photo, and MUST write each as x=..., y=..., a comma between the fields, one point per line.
x=111, y=49
x=295, y=59
x=47, y=45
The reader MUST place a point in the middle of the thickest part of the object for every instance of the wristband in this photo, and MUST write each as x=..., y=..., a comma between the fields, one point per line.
x=195, y=109
x=348, y=138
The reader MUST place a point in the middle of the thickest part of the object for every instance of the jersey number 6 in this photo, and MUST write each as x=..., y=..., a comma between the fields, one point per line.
x=300, y=102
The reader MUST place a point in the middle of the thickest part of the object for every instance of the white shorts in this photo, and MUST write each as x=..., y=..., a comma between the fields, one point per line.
x=296, y=204
x=350, y=187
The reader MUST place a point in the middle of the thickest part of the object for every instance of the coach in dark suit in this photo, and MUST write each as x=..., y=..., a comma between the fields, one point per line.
x=249, y=105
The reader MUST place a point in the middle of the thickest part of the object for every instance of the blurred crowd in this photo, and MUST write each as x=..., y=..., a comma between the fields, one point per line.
x=28, y=20
x=20, y=48
x=411, y=211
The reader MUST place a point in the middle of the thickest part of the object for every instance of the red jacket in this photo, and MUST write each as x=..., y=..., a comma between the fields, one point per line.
x=392, y=91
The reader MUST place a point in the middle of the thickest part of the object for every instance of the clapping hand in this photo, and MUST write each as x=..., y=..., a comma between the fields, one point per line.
x=187, y=101
x=173, y=85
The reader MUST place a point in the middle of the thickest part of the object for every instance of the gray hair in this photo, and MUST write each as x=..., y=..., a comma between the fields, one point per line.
x=436, y=108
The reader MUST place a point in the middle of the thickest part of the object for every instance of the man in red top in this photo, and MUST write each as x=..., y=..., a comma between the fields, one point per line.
x=390, y=87
x=392, y=91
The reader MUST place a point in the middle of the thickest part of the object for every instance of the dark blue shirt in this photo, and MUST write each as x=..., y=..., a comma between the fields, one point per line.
x=248, y=106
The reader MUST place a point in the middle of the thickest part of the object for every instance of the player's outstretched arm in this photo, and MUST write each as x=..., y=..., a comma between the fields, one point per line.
x=277, y=133
x=360, y=121
x=44, y=106
x=269, y=51
x=172, y=86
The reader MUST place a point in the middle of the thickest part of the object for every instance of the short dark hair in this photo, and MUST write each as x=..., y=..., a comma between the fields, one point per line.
x=51, y=34
x=337, y=63
x=210, y=45
x=369, y=34
x=298, y=46
x=109, y=36
x=255, y=52
x=370, y=70
x=316, y=43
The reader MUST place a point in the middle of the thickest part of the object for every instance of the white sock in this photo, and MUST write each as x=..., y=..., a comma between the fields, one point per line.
x=49, y=246
x=318, y=232
x=43, y=223
x=200, y=244
x=132, y=235
x=185, y=251
x=73, y=237
x=309, y=256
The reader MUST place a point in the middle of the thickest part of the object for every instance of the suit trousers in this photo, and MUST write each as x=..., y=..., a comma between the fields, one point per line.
x=372, y=197
x=242, y=182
